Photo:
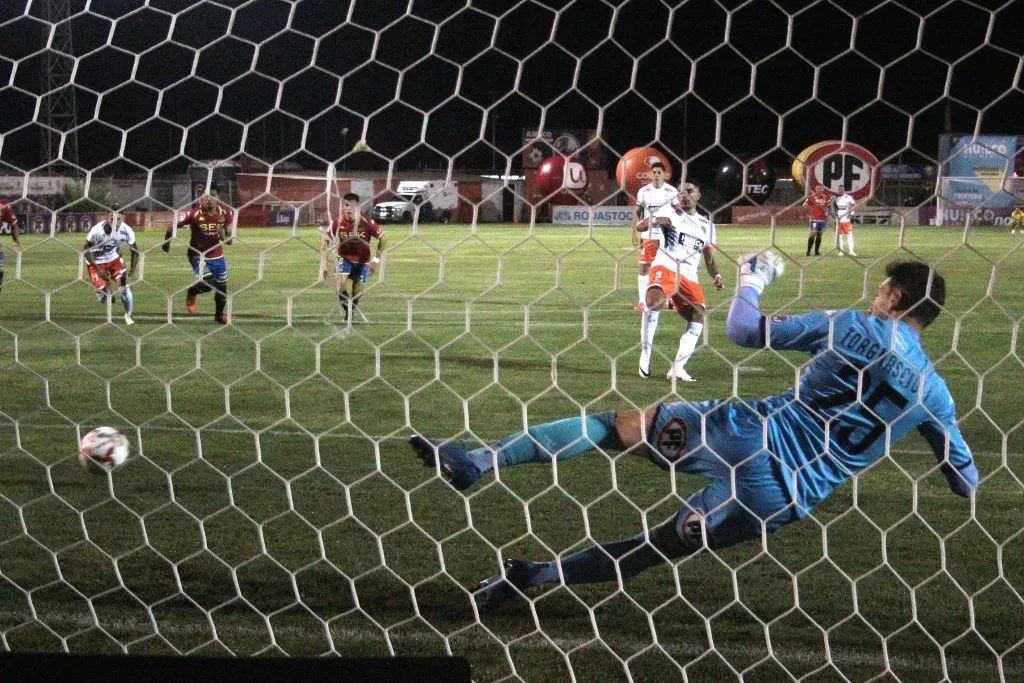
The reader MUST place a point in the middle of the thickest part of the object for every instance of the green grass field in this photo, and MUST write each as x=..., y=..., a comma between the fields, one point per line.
x=271, y=505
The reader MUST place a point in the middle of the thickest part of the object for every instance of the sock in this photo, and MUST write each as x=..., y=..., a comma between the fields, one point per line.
x=201, y=287
x=648, y=326
x=817, y=243
x=101, y=295
x=562, y=439
x=128, y=299
x=641, y=285
x=842, y=242
x=597, y=563
x=688, y=342
x=849, y=240
x=1, y=278
x=343, y=304
x=810, y=243
x=220, y=297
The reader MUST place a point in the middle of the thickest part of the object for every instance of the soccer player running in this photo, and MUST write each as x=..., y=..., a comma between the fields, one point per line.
x=817, y=205
x=688, y=235
x=768, y=462
x=1016, y=223
x=209, y=223
x=105, y=265
x=651, y=197
x=842, y=208
x=7, y=218
x=352, y=230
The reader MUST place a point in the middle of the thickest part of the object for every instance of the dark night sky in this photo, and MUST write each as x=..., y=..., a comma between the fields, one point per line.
x=280, y=79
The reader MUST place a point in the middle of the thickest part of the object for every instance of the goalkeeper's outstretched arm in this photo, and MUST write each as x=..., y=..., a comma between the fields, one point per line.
x=745, y=324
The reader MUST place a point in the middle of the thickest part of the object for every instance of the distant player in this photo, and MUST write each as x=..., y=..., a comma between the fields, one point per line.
x=7, y=218
x=105, y=266
x=768, y=462
x=688, y=235
x=352, y=230
x=210, y=224
x=843, y=206
x=650, y=198
x=817, y=209
x=1016, y=223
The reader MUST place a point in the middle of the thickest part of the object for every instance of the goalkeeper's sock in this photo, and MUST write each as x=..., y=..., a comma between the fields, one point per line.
x=128, y=299
x=561, y=440
x=641, y=285
x=598, y=562
x=648, y=326
x=810, y=243
x=688, y=342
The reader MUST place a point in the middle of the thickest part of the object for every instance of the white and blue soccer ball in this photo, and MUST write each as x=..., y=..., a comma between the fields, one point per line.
x=103, y=450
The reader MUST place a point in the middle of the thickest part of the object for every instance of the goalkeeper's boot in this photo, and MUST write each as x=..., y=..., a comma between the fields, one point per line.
x=454, y=464
x=495, y=591
x=645, y=363
x=678, y=372
x=190, y=303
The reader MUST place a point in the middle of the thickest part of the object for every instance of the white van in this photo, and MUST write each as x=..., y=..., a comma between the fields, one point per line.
x=436, y=200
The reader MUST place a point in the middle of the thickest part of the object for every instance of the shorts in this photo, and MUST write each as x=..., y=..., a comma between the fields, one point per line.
x=647, y=251
x=217, y=267
x=816, y=226
x=682, y=291
x=101, y=272
x=355, y=271
x=845, y=227
x=723, y=441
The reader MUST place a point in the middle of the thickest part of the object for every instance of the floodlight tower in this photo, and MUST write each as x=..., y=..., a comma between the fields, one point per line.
x=57, y=108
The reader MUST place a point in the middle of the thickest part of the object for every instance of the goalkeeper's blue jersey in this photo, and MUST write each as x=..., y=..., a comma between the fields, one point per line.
x=869, y=384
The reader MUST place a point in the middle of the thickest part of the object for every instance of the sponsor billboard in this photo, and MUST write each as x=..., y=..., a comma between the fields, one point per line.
x=593, y=215
x=834, y=163
x=579, y=145
x=964, y=215
x=977, y=170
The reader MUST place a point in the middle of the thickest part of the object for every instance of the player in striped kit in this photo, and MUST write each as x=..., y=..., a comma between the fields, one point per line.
x=7, y=217
x=650, y=198
x=105, y=265
x=688, y=236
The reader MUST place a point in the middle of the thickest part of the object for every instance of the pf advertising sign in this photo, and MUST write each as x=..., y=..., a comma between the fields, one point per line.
x=833, y=163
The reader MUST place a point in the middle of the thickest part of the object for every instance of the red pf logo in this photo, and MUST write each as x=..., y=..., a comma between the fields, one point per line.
x=835, y=163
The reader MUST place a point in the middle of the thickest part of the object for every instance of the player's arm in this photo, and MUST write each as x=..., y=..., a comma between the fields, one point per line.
x=382, y=243
x=713, y=270
x=636, y=228
x=133, y=249
x=943, y=434
x=87, y=251
x=186, y=220
x=14, y=231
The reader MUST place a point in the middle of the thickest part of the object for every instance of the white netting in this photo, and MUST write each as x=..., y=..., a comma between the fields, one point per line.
x=271, y=504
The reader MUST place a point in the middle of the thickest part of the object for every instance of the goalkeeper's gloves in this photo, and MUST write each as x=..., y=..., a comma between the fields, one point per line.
x=761, y=269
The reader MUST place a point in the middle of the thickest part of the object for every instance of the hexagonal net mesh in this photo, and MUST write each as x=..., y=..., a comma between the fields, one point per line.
x=271, y=503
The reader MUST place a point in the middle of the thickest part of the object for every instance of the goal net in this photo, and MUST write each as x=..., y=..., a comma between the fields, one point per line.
x=271, y=504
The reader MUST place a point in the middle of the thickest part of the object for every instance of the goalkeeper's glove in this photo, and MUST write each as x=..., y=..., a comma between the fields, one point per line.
x=761, y=269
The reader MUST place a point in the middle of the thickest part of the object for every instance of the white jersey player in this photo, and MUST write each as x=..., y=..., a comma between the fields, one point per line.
x=105, y=266
x=688, y=236
x=653, y=196
x=843, y=206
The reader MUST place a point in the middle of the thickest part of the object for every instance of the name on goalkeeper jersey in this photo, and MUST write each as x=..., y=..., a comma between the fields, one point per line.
x=899, y=373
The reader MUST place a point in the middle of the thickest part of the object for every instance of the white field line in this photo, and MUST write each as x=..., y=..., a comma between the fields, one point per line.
x=810, y=657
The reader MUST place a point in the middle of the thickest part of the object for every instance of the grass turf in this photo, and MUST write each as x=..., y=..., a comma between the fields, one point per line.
x=271, y=506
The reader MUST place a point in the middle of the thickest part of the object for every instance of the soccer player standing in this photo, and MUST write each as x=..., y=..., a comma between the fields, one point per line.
x=353, y=230
x=843, y=206
x=688, y=235
x=105, y=264
x=650, y=198
x=768, y=462
x=1016, y=221
x=817, y=205
x=8, y=218
x=209, y=223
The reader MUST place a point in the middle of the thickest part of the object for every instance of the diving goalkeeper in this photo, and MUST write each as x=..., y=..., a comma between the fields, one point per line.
x=768, y=461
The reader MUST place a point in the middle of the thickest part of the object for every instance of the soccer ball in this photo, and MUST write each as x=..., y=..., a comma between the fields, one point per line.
x=103, y=449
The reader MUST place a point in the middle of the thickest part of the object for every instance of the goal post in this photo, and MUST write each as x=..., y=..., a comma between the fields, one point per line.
x=271, y=504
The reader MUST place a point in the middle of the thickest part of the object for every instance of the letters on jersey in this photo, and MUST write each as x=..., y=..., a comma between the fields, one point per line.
x=206, y=228
x=685, y=240
x=353, y=243
x=818, y=204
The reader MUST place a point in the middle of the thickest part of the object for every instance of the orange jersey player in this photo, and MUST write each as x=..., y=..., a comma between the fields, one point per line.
x=209, y=223
x=7, y=217
x=352, y=231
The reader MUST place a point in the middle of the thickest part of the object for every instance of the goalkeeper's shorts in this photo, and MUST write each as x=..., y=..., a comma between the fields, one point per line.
x=723, y=441
x=682, y=291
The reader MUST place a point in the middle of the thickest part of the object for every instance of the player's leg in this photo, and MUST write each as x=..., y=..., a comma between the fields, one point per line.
x=200, y=286
x=99, y=282
x=690, y=302
x=655, y=299
x=218, y=268
x=343, y=274
x=645, y=256
x=810, y=238
x=360, y=272
x=120, y=280
x=2, y=263
x=849, y=238
x=817, y=238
